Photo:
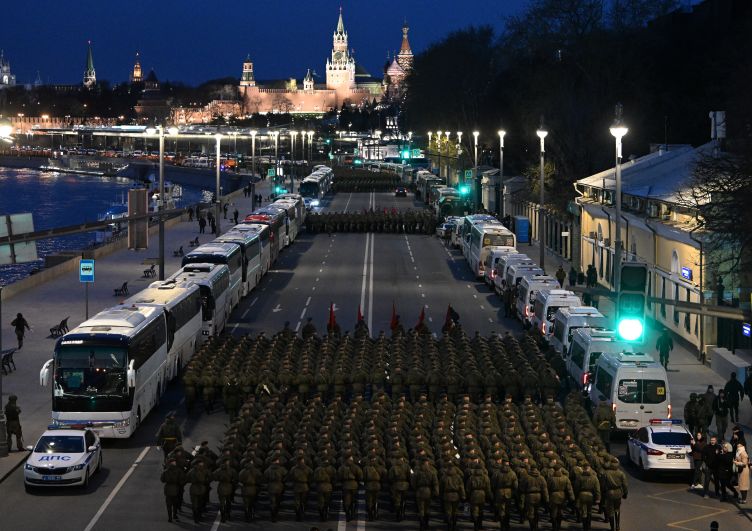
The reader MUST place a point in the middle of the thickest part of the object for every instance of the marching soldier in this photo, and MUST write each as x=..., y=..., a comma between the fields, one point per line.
x=425, y=485
x=478, y=490
x=604, y=419
x=169, y=435
x=323, y=476
x=227, y=480
x=309, y=329
x=615, y=490
x=372, y=476
x=453, y=493
x=350, y=475
x=275, y=486
x=559, y=491
x=300, y=475
x=535, y=491
x=189, y=389
x=199, y=478
x=399, y=479
x=505, y=485
x=588, y=491
x=250, y=478
x=174, y=478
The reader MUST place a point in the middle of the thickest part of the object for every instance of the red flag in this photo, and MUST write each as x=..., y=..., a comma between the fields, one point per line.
x=393, y=324
x=332, y=320
x=360, y=315
x=421, y=318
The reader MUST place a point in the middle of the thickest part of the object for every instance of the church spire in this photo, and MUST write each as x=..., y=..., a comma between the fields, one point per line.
x=340, y=23
x=90, y=74
x=405, y=56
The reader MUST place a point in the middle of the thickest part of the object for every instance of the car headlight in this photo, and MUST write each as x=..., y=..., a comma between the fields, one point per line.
x=77, y=467
x=315, y=203
x=27, y=466
x=122, y=424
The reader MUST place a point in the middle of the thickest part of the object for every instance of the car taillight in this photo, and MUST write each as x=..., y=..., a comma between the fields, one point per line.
x=651, y=451
x=668, y=411
x=543, y=328
x=613, y=408
x=585, y=378
x=527, y=311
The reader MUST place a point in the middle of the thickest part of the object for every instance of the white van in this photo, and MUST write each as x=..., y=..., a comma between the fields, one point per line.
x=547, y=303
x=492, y=259
x=526, y=291
x=634, y=385
x=516, y=272
x=569, y=319
x=586, y=347
x=503, y=263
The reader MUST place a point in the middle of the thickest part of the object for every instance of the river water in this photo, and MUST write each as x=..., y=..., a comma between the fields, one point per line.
x=60, y=199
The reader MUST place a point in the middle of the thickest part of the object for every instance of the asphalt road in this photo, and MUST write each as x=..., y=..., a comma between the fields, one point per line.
x=348, y=270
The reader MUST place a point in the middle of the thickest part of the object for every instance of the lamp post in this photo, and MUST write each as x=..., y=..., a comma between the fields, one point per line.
x=475, y=171
x=4, y=446
x=310, y=145
x=293, y=136
x=449, y=160
x=500, y=185
x=618, y=130
x=275, y=135
x=253, y=152
x=438, y=148
x=542, y=133
x=460, y=169
x=428, y=149
x=218, y=201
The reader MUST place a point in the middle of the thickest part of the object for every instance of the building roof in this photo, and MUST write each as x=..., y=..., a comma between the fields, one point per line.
x=89, y=59
x=152, y=77
x=361, y=72
x=661, y=175
x=340, y=24
x=405, y=48
x=395, y=70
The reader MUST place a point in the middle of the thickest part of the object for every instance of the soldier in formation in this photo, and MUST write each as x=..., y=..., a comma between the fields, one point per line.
x=387, y=221
x=453, y=419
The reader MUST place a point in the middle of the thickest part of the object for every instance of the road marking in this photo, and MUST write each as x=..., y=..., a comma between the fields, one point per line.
x=217, y=520
x=430, y=320
x=475, y=296
x=117, y=488
x=297, y=327
x=303, y=313
x=482, y=307
x=364, y=283
x=317, y=279
x=490, y=320
x=348, y=202
x=678, y=524
x=321, y=271
x=313, y=288
x=308, y=301
x=420, y=285
x=423, y=295
x=370, y=287
x=235, y=327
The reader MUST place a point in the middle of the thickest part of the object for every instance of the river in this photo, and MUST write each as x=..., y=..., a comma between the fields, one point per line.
x=60, y=199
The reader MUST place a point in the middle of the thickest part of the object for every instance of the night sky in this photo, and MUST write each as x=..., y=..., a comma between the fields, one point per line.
x=197, y=40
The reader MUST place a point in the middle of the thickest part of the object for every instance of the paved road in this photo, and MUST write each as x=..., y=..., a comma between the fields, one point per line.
x=348, y=270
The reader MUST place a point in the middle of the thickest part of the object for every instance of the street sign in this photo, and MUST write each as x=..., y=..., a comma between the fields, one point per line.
x=270, y=172
x=746, y=329
x=416, y=153
x=86, y=270
x=686, y=273
x=468, y=174
x=565, y=234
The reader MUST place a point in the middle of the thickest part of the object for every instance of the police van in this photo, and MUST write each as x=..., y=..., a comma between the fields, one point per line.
x=547, y=303
x=526, y=291
x=569, y=319
x=634, y=385
x=586, y=346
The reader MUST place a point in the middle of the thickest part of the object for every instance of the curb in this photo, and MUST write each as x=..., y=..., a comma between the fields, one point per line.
x=15, y=467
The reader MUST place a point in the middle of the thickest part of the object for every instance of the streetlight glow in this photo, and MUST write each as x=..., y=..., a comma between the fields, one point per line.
x=501, y=134
x=151, y=131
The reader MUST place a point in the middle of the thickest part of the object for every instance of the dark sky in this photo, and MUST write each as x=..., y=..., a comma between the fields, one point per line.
x=196, y=40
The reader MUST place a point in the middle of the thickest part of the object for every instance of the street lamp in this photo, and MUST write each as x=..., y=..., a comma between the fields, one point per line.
x=475, y=171
x=253, y=152
x=302, y=144
x=310, y=145
x=217, y=201
x=618, y=130
x=542, y=133
x=500, y=185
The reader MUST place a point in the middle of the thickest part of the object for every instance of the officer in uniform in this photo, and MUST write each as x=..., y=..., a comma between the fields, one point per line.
x=199, y=478
x=227, y=480
x=174, y=478
x=615, y=483
x=425, y=485
x=13, y=422
x=169, y=435
x=250, y=478
x=588, y=492
x=453, y=491
x=300, y=475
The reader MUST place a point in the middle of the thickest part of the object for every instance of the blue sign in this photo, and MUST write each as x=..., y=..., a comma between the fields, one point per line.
x=86, y=270
x=686, y=273
x=746, y=329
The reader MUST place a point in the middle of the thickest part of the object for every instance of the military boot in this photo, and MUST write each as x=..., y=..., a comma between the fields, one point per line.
x=617, y=517
x=169, y=515
x=612, y=523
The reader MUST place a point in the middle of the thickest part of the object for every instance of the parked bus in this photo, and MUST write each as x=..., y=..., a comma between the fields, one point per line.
x=275, y=219
x=228, y=254
x=463, y=233
x=109, y=372
x=293, y=217
x=483, y=238
x=264, y=235
x=317, y=185
x=213, y=281
x=250, y=249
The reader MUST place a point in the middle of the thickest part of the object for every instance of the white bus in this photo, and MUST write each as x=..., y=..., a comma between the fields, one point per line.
x=263, y=232
x=110, y=371
x=181, y=303
x=213, y=281
x=317, y=185
x=466, y=227
x=250, y=250
x=228, y=254
x=483, y=238
x=292, y=218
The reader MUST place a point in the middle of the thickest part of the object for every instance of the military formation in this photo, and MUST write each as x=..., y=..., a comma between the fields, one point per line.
x=372, y=182
x=459, y=426
x=388, y=221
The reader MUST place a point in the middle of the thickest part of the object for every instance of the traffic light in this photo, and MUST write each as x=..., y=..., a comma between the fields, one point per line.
x=405, y=154
x=464, y=189
x=630, y=305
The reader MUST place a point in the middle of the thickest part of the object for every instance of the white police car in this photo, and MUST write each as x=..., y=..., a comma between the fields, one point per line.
x=662, y=445
x=63, y=456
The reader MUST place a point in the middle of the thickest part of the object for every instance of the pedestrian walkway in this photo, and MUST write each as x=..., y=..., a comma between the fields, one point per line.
x=46, y=305
x=686, y=374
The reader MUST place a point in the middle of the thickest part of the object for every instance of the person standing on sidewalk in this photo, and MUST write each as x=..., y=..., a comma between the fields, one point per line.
x=741, y=460
x=721, y=410
x=13, y=422
x=692, y=413
x=572, y=276
x=734, y=395
x=710, y=455
x=698, y=445
x=561, y=276
x=664, y=346
x=21, y=326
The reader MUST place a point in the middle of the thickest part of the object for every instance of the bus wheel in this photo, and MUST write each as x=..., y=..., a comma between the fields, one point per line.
x=138, y=418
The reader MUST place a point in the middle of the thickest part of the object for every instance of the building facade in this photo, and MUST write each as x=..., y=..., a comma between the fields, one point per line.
x=136, y=74
x=7, y=78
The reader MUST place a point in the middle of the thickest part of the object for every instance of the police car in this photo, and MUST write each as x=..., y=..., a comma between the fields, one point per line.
x=662, y=445
x=62, y=457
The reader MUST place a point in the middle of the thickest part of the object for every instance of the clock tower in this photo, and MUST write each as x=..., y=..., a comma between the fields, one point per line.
x=340, y=68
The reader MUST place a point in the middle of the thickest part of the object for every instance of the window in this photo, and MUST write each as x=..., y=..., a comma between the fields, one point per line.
x=640, y=391
x=672, y=438
x=676, y=298
x=603, y=382
x=578, y=355
x=559, y=328
x=650, y=291
x=687, y=320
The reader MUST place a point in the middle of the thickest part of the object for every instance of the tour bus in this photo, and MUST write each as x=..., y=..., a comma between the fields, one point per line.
x=250, y=250
x=526, y=291
x=292, y=219
x=423, y=182
x=213, y=281
x=483, y=238
x=181, y=303
x=634, y=385
x=547, y=302
x=569, y=319
x=316, y=186
x=492, y=259
x=467, y=225
x=264, y=234
x=452, y=206
x=109, y=372
x=300, y=208
x=587, y=345
x=275, y=218
x=228, y=254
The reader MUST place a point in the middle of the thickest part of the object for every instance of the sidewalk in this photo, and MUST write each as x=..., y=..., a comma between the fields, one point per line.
x=686, y=374
x=46, y=305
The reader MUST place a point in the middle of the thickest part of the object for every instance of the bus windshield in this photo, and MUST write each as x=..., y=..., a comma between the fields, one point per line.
x=90, y=371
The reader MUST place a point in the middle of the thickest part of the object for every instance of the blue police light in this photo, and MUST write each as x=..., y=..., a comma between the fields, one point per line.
x=630, y=329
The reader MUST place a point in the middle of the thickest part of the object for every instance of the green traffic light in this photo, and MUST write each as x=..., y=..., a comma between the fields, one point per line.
x=630, y=329
x=464, y=190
